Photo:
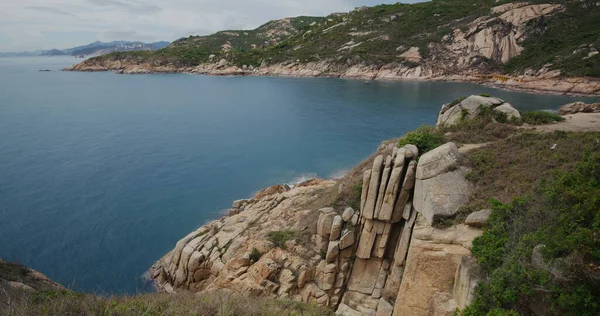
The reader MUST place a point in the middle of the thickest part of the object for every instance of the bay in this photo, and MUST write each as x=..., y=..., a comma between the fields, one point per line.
x=101, y=174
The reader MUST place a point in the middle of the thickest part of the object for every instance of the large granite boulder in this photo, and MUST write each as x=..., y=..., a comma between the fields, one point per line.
x=452, y=113
x=579, y=107
x=441, y=188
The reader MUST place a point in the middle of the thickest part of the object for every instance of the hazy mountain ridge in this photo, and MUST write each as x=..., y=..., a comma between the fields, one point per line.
x=93, y=49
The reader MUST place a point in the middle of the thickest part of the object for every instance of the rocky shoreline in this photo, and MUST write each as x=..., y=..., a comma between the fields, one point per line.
x=546, y=83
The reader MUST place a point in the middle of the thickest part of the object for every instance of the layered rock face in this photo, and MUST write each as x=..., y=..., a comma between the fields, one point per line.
x=383, y=259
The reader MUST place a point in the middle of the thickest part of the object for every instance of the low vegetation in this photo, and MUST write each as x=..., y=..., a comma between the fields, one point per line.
x=540, y=117
x=255, y=255
x=426, y=138
x=11, y=271
x=541, y=252
x=17, y=303
x=507, y=169
x=279, y=238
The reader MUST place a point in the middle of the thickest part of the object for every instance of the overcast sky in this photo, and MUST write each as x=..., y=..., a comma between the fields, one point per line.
x=44, y=24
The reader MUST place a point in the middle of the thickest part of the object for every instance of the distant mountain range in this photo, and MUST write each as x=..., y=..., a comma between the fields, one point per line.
x=93, y=49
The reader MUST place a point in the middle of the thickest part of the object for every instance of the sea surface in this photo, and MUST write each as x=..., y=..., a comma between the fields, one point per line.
x=101, y=174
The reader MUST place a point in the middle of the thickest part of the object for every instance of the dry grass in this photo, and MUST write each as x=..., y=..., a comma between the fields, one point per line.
x=510, y=168
x=13, y=302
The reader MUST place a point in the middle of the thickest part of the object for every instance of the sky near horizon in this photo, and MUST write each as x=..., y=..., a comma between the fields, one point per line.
x=27, y=25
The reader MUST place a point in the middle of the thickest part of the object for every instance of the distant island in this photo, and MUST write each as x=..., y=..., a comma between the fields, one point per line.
x=93, y=49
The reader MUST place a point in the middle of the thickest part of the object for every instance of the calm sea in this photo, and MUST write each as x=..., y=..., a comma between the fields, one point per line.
x=101, y=174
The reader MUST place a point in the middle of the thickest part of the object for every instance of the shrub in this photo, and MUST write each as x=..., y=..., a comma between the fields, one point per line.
x=255, y=255
x=540, y=117
x=563, y=215
x=11, y=271
x=456, y=101
x=426, y=138
x=280, y=237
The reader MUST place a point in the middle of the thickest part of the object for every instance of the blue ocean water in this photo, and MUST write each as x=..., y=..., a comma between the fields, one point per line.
x=101, y=174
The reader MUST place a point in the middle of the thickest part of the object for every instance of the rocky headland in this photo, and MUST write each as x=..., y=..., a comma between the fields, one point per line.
x=384, y=240
x=487, y=44
x=403, y=233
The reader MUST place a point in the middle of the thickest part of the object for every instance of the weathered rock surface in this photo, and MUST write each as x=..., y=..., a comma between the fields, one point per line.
x=579, y=107
x=431, y=272
x=479, y=218
x=28, y=279
x=441, y=188
x=468, y=108
x=384, y=259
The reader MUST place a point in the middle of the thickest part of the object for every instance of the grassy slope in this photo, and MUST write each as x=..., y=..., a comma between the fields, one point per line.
x=552, y=199
x=71, y=303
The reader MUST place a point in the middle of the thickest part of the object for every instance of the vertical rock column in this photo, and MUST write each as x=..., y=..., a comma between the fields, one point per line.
x=387, y=217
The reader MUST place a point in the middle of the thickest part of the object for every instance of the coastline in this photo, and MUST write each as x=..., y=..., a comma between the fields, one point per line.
x=543, y=84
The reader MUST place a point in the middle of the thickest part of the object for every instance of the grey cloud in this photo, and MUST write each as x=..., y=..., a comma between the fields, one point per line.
x=50, y=10
x=133, y=6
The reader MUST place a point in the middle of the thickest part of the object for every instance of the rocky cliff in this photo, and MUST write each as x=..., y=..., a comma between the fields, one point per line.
x=477, y=41
x=308, y=244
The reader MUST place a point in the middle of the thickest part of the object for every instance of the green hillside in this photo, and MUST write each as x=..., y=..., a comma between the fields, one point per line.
x=566, y=39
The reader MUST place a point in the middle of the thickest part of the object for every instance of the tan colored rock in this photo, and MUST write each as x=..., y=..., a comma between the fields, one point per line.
x=264, y=269
x=443, y=195
x=405, y=193
x=325, y=275
x=364, y=275
x=347, y=239
x=579, y=107
x=430, y=269
x=466, y=279
x=365, y=189
x=347, y=214
x=478, y=219
x=333, y=251
x=286, y=280
x=367, y=239
x=371, y=200
x=438, y=161
x=509, y=110
x=384, y=308
x=326, y=216
x=346, y=310
x=354, y=220
x=403, y=243
x=394, y=186
x=412, y=152
x=364, y=303
x=412, y=54
x=385, y=175
x=336, y=228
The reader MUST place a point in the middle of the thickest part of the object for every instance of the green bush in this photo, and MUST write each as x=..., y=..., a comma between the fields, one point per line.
x=280, y=237
x=255, y=255
x=540, y=117
x=563, y=215
x=426, y=138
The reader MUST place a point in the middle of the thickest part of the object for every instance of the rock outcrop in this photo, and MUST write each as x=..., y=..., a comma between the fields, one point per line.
x=470, y=107
x=441, y=188
x=19, y=277
x=579, y=107
x=383, y=258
